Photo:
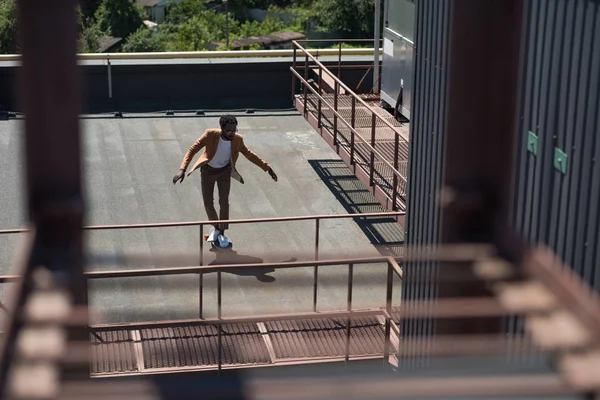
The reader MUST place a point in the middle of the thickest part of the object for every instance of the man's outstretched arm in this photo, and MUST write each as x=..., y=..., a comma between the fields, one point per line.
x=256, y=160
x=189, y=156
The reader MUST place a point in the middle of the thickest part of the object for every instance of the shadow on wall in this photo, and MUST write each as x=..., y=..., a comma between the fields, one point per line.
x=384, y=233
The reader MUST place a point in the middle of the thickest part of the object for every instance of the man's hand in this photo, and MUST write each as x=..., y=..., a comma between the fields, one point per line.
x=179, y=176
x=272, y=173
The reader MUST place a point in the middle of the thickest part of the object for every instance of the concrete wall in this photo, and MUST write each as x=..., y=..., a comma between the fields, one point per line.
x=210, y=84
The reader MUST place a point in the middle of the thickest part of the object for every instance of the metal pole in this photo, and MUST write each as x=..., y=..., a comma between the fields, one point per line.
x=201, y=244
x=335, y=107
x=305, y=85
x=376, y=46
x=339, y=71
x=109, y=77
x=201, y=295
x=349, y=308
x=219, y=297
x=388, y=309
x=320, y=94
x=373, y=123
x=293, y=76
x=352, y=124
x=316, y=273
x=201, y=275
x=395, y=179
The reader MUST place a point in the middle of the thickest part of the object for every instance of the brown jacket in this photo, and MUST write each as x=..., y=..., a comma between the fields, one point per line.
x=210, y=140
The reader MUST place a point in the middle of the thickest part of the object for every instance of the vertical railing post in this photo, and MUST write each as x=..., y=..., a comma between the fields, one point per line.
x=388, y=312
x=220, y=346
x=316, y=273
x=353, y=125
x=200, y=295
x=336, y=89
x=201, y=275
x=305, y=85
x=320, y=94
x=201, y=252
x=349, y=309
x=339, y=71
x=395, y=183
x=294, y=76
x=219, y=314
x=373, y=124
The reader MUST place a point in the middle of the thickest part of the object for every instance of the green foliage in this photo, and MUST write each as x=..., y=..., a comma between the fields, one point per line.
x=8, y=27
x=193, y=35
x=178, y=13
x=144, y=40
x=90, y=38
x=119, y=18
x=354, y=17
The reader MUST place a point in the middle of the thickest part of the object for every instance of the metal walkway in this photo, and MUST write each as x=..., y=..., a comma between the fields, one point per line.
x=195, y=347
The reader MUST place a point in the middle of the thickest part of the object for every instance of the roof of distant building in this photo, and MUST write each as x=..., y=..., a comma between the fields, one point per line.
x=107, y=42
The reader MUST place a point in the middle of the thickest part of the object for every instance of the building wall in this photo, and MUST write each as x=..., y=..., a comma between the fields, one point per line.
x=558, y=204
x=147, y=86
x=558, y=102
x=426, y=151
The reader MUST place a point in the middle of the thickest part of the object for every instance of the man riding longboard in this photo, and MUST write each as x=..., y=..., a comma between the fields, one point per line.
x=217, y=166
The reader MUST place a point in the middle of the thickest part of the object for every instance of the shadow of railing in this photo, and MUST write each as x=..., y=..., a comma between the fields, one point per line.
x=384, y=233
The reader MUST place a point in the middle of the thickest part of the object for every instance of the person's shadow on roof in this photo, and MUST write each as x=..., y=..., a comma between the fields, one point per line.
x=229, y=256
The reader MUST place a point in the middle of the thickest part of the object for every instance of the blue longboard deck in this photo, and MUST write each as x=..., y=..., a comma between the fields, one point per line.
x=215, y=245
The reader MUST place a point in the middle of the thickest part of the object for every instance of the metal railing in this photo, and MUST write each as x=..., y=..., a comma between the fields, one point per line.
x=201, y=224
x=388, y=172
x=220, y=321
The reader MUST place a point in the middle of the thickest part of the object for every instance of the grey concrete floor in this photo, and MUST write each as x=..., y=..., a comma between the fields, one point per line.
x=128, y=166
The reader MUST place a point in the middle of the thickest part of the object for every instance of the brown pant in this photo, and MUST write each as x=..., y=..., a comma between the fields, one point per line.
x=222, y=177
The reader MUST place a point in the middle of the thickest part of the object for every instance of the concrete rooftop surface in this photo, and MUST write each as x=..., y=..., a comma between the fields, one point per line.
x=129, y=164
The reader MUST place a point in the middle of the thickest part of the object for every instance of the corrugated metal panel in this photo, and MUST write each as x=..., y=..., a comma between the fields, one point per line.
x=560, y=104
x=426, y=149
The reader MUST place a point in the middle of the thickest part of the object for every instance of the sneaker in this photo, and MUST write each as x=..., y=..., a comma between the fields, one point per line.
x=213, y=236
x=224, y=241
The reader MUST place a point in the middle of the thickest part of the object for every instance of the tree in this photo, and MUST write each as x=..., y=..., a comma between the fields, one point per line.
x=8, y=27
x=193, y=35
x=144, y=40
x=178, y=13
x=355, y=17
x=88, y=9
x=119, y=18
x=90, y=39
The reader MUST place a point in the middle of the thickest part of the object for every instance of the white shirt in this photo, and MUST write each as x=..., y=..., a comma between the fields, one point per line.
x=223, y=154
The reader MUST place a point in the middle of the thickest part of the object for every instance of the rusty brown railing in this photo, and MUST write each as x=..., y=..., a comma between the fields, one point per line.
x=201, y=224
x=387, y=173
x=367, y=156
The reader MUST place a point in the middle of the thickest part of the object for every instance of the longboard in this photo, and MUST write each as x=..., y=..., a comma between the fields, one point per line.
x=215, y=245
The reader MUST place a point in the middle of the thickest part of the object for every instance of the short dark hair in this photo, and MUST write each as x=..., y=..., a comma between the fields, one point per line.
x=228, y=119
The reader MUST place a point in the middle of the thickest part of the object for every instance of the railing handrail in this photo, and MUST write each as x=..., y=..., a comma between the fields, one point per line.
x=386, y=214
x=336, y=79
x=165, y=271
x=204, y=54
x=353, y=130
